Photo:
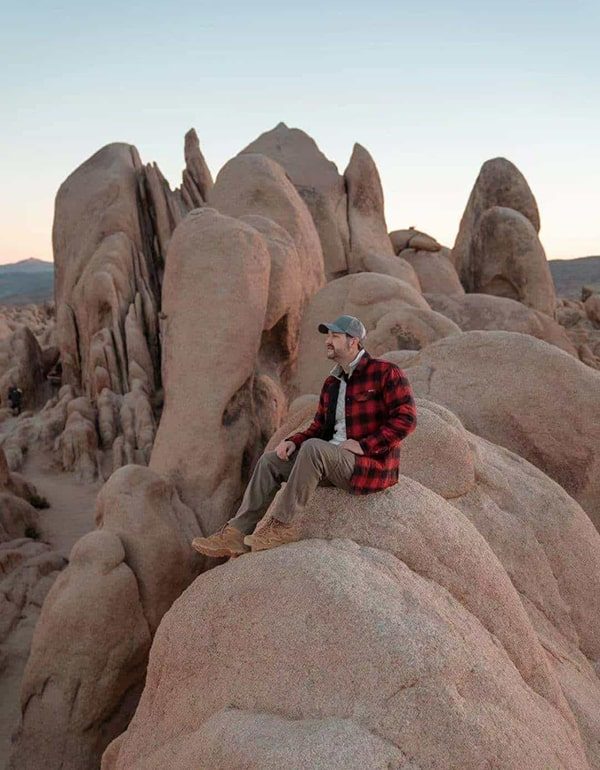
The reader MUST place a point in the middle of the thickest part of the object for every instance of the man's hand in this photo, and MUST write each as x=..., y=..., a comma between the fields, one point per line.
x=352, y=445
x=285, y=449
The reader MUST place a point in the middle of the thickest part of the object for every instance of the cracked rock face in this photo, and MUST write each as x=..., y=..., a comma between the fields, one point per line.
x=105, y=257
x=416, y=627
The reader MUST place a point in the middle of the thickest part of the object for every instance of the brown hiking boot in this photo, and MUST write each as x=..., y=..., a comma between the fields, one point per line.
x=227, y=541
x=273, y=534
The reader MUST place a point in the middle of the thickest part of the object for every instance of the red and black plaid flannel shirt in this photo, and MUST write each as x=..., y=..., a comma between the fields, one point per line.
x=380, y=412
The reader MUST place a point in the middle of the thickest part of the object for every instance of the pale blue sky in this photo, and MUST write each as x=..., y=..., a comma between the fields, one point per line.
x=431, y=89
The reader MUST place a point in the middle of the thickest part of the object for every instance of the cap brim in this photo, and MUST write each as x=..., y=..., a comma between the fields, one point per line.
x=324, y=328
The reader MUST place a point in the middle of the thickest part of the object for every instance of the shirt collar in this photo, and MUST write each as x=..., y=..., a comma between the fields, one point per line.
x=338, y=370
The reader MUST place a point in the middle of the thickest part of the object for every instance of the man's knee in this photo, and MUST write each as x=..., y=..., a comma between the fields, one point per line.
x=268, y=458
x=311, y=446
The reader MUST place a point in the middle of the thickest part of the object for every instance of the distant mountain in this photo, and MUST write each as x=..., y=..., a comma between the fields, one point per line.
x=30, y=265
x=571, y=274
x=27, y=281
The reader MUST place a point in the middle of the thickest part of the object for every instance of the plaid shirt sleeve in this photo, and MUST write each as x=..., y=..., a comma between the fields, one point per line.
x=315, y=429
x=402, y=414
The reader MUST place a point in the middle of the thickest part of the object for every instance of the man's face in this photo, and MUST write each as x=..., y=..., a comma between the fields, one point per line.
x=339, y=346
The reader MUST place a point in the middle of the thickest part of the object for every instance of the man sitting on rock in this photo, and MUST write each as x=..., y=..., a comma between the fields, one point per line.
x=366, y=408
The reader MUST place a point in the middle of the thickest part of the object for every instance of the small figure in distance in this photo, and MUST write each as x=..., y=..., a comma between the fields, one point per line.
x=15, y=399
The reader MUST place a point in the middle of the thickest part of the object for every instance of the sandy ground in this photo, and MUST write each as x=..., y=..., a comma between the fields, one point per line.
x=71, y=511
x=70, y=515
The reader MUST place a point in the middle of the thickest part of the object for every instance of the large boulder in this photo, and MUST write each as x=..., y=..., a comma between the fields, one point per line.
x=319, y=184
x=523, y=394
x=283, y=314
x=409, y=627
x=508, y=260
x=90, y=647
x=18, y=518
x=104, y=258
x=592, y=308
x=500, y=183
x=87, y=660
x=197, y=179
x=27, y=570
x=204, y=431
x=413, y=239
x=254, y=184
x=394, y=313
x=22, y=366
x=209, y=437
x=406, y=646
x=478, y=312
x=370, y=246
x=435, y=271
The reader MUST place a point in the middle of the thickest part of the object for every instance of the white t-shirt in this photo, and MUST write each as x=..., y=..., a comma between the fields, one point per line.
x=339, y=434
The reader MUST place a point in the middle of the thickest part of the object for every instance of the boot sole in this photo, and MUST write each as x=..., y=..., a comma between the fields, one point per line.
x=218, y=552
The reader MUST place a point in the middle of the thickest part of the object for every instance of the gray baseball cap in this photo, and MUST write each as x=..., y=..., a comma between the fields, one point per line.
x=345, y=324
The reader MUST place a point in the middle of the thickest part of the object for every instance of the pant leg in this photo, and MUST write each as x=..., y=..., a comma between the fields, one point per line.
x=317, y=459
x=264, y=483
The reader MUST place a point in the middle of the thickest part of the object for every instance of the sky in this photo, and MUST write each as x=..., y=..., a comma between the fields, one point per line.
x=432, y=89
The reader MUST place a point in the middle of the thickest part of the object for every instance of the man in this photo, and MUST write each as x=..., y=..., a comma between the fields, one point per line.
x=15, y=396
x=365, y=409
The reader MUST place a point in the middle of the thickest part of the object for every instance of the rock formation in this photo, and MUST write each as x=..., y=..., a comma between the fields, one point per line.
x=450, y=621
x=113, y=224
x=582, y=325
x=497, y=250
x=27, y=570
x=22, y=365
x=508, y=260
x=206, y=434
x=395, y=314
x=197, y=179
x=254, y=184
x=89, y=650
x=347, y=210
x=525, y=395
x=434, y=270
x=413, y=239
x=319, y=184
x=38, y=318
x=473, y=312
x=370, y=247
x=105, y=256
x=500, y=183
x=424, y=602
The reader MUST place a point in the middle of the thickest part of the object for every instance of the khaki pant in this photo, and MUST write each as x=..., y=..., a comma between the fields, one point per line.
x=316, y=462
